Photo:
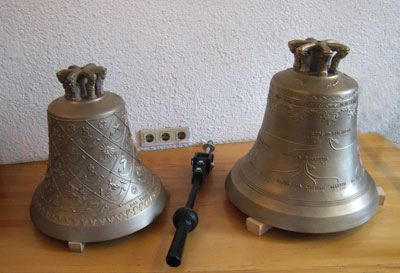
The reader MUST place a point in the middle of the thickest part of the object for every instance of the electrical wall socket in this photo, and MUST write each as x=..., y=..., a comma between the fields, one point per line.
x=165, y=136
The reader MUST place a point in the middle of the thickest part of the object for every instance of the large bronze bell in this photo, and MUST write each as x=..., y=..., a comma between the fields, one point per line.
x=96, y=188
x=304, y=171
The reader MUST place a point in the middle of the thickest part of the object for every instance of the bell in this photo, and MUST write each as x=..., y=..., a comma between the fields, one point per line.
x=304, y=171
x=96, y=188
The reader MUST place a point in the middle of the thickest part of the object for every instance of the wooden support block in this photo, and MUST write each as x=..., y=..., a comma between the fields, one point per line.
x=382, y=195
x=256, y=227
x=76, y=246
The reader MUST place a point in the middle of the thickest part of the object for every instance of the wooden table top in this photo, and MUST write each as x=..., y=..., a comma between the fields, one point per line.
x=220, y=243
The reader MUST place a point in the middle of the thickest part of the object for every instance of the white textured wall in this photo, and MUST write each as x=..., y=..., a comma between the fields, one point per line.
x=205, y=64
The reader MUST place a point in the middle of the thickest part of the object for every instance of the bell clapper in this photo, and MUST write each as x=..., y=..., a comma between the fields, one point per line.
x=185, y=219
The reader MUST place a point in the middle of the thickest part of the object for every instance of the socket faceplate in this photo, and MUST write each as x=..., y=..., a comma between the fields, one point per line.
x=164, y=136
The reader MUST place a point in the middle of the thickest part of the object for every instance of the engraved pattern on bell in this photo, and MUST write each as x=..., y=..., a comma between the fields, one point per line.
x=95, y=176
x=300, y=107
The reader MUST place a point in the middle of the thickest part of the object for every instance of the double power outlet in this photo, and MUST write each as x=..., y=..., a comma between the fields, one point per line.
x=165, y=136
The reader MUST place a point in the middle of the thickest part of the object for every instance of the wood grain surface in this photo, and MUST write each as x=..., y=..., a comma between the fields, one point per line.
x=220, y=243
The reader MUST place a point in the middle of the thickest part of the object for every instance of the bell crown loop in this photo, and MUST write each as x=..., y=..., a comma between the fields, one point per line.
x=83, y=83
x=316, y=57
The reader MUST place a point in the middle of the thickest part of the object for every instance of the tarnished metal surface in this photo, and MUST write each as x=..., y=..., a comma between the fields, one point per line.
x=304, y=171
x=96, y=188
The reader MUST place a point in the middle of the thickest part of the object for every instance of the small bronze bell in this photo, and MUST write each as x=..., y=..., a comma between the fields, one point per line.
x=304, y=171
x=96, y=188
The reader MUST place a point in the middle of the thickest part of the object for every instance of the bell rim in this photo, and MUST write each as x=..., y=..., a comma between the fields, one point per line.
x=296, y=223
x=104, y=232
